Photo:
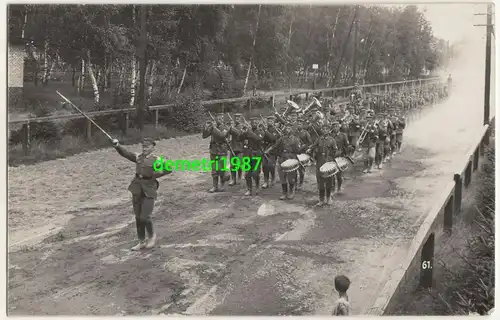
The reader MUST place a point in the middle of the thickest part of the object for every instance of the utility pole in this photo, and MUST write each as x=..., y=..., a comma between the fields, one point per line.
x=355, y=49
x=487, y=73
x=142, y=69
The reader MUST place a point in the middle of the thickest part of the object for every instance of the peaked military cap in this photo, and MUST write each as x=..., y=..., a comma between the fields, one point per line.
x=271, y=117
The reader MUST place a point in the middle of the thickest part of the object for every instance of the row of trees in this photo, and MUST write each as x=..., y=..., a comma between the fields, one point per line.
x=188, y=44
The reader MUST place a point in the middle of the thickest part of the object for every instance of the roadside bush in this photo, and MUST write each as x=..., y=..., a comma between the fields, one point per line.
x=187, y=113
x=47, y=132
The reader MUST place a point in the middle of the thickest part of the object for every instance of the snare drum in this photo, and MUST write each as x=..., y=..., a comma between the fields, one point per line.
x=290, y=165
x=304, y=159
x=342, y=163
x=328, y=169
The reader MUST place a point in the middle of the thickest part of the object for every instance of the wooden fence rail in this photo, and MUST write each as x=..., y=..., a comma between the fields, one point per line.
x=379, y=87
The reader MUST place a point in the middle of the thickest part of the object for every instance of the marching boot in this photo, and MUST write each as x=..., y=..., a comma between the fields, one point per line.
x=265, y=185
x=215, y=184
x=284, y=190
x=273, y=178
x=223, y=180
x=366, y=167
x=141, y=234
x=379, y=166
x=139, y=246
x=257, y=184
x=233, y=178
x=321, y=198
x=151, y=235
x=370, y=165
x=249, y=187
x=291, y=189
x=328, y=196
x=301, y=179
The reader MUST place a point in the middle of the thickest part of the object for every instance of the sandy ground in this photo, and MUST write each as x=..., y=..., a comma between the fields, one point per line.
x=70, y=230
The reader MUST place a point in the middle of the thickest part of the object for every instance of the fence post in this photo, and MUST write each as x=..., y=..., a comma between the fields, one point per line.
x=476, y=159
x=125, y=123
x=468, y=174
x=156, y=117
x=26, y=138
x=88, y=130
x=448, y=215
x=458, y=192
x=427, y=263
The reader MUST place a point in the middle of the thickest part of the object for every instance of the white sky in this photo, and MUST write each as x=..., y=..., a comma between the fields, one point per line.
x=455, y=20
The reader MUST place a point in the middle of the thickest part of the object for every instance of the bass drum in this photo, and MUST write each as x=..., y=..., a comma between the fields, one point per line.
x=290, y=165
x=342, y=163
x=328, y=169
x=304, y=159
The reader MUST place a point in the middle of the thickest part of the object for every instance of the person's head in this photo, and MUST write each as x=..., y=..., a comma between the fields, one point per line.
x=336, y=126
x=325, y=129
x=254, y=121
x=293, y=117
x=342, y=284
x=287, y=129
x=300, y=123
x=271, y=120
x=237, y=118
x=148, y=145
x=219, y=118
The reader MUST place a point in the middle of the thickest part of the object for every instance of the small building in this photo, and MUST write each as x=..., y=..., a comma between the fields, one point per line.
x=17, y=54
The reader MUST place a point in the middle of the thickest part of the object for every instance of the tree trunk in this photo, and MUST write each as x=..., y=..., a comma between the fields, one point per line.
x=73, y=76
x=45, y=62
x=121, y=84
x=133, y=79
x=93, y=79
x=81, y=79
x=182, y=80
x=151, y=78
x=289, y=72
x=330, y=51
x=253, y=49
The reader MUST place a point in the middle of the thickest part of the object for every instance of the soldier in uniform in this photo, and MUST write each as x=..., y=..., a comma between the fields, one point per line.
x=343, y=150
x=252, y=148
x=288, y=147
x=144, y=189
x=237, y=146
x=400, y=126
x=371, y=143
x=323, y=150
x=305, y=140
x=271, y=135
x=379, y=148
x=393, y=135
x=218, y=151
x=354, y=133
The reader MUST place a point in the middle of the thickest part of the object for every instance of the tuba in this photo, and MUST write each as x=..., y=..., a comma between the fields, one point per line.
x=314, y=102
x=291, y=106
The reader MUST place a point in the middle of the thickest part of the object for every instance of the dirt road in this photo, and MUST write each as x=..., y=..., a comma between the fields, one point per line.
x=70, y=230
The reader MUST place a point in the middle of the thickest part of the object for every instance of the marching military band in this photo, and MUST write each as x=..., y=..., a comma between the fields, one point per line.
x=320, y=134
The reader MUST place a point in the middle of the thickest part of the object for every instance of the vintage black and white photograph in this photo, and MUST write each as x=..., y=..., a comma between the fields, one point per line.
x=299, y=159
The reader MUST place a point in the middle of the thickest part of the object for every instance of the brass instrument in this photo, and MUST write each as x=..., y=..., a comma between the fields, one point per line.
x=291, y=106
x=362, y=137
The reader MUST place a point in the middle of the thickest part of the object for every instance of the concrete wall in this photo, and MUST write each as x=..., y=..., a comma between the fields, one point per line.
x=412, y=272
x=15, y=76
